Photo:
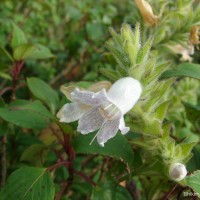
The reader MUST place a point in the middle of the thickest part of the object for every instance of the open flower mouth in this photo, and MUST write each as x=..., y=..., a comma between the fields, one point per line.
x=102, y=111
x=109, y=112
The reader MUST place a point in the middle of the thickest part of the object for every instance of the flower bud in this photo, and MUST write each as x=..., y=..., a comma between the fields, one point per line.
x=194, y=35
x=147, y=12
x=177, y=171
x=124, y=93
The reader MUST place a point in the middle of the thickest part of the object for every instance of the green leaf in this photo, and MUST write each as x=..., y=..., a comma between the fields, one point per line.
x=194, y=163
x=187, y=148
x=41, y=52
x=117, y=38
x=161, y=110
x=109, y=73
x=23, y=51
x=193, y=114
x=29, y=183
x=120, y=58
x=110, y=191
x=5, y=53
x=131, y=51
x=136, y=37
x=35, y=154
x=26, y=114
x=151, y=127
x=184, y=69
x=18, y=37
x=126, y=32
x=81, y=144
x=193, y=181
x=94, y=30
x=183, y=150
x=30, y=51
x=3, y=128
x=5, y=76
x=44, y=92
x=144, y=51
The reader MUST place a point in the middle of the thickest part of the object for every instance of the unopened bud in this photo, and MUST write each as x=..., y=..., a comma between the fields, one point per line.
x=177, y=171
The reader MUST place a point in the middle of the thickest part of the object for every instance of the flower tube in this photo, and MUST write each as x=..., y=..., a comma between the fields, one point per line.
x=104, y=110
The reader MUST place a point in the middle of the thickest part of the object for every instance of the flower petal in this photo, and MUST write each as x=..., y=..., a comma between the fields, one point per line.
x=71, y=112
x=67, y=90
x=99, y=86
x=90, y=121
x=108, y=130
x=147, y=12
x=122, y=126
x=89, y=98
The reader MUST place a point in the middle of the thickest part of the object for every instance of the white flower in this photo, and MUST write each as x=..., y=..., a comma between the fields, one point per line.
x=177, y=171
x=147, y=12
x=185, y=52
x=102, y=110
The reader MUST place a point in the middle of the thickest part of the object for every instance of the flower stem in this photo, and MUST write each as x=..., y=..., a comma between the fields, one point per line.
x=15, y=76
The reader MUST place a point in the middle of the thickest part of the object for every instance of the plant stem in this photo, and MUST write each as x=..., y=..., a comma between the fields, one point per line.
x=15, y=75
x=5, y=90
x=85, y=177
x=55, y=166
x=69, y=150
x=56, y=135
x=71, y=156
x=62, y=191
x=167, y=195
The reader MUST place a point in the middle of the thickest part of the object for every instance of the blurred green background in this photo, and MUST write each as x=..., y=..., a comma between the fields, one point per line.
x=75, y=31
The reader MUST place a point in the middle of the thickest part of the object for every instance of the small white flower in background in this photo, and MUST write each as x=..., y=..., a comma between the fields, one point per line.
x=103, y=110
x=185, y=52
x=177, y=171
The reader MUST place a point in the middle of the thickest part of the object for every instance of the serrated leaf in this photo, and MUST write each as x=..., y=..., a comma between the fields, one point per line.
x=193, y=181
x=26, y=114
x=81, y=144
x=18, y=37
x=44, y=92
x=184, y=69
x=29, y=183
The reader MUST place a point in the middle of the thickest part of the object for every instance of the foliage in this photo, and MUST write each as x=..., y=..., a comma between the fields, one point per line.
x=45, y=44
